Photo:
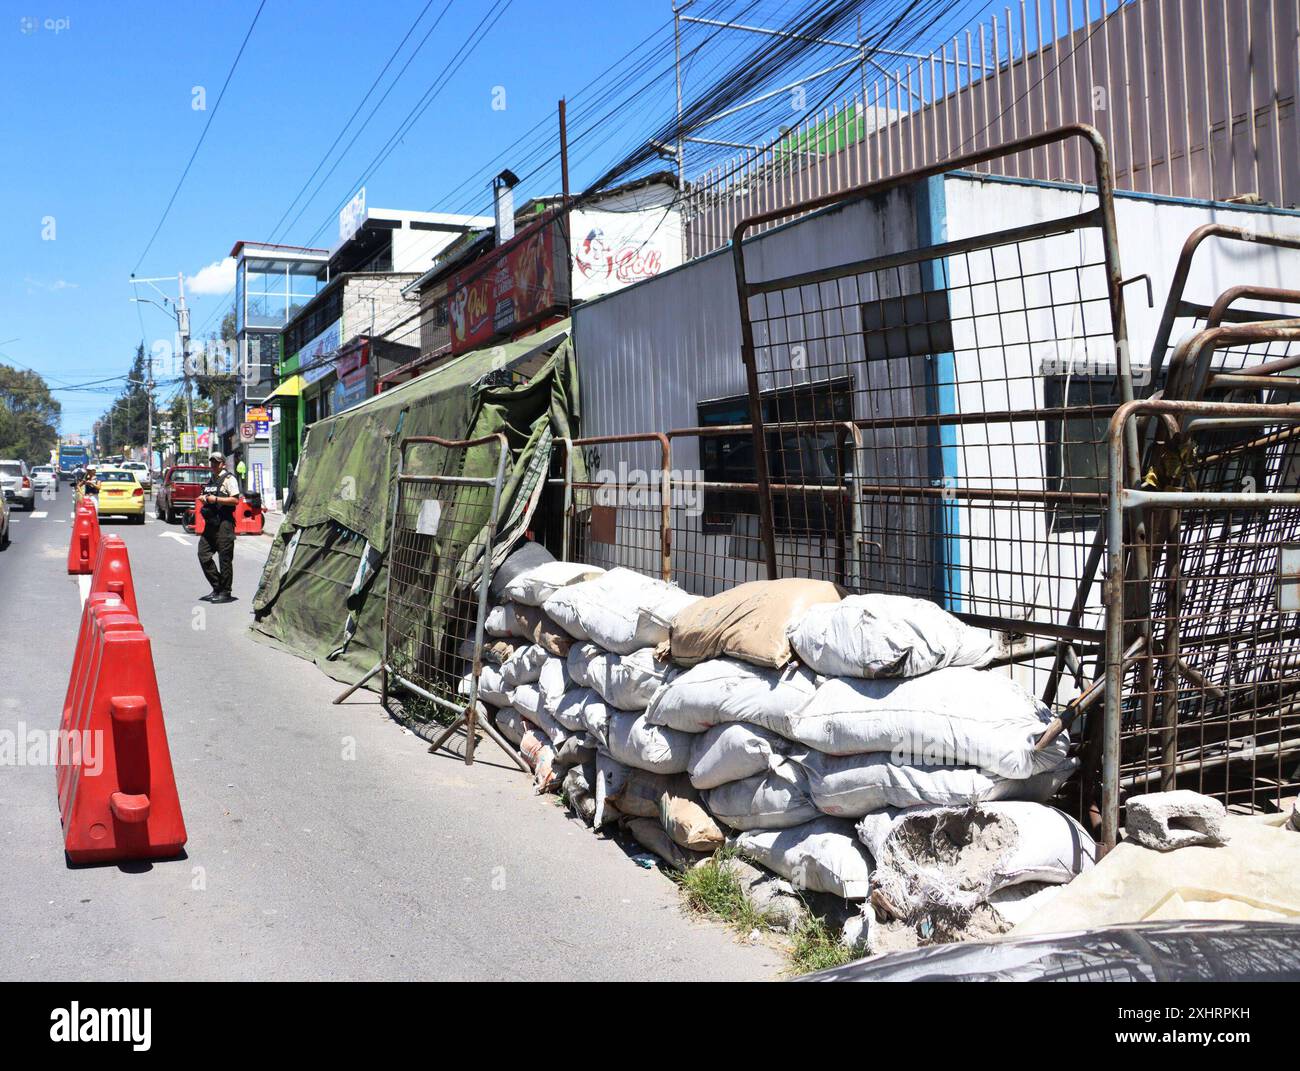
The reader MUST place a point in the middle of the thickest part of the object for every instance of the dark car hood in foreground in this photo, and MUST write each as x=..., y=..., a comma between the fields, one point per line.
x=1139, y=952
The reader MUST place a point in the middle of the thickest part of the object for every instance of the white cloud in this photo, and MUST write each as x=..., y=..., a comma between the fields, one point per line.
x=33, y=285
x=217, y=278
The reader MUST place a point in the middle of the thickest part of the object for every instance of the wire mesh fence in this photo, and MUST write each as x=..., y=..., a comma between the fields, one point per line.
x=442, y=527
x=1203, y=634
x=616, y=492
x=978, y=376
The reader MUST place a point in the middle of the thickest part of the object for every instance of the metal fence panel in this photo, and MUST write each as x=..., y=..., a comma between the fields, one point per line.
x=443, y=522
x=978, y=376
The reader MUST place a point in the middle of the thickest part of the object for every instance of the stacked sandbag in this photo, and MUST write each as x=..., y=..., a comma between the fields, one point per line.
x=780, y=716
x=862, y=705
x=524, y=674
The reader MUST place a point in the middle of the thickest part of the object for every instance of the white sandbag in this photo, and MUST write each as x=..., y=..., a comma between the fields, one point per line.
x=611, y=777
x=886, y=636
x=498, y=622
x=775, y=799
x=635, y=742
x=524, y=666
x=578, y=659
x=511, y=725
x=820, y=856
x=596, y=715
x=629, y=681
x=951, y=717
x=568, y=711
x=527, y=699
x=528, y=555
x=553, y=683
x=732, y=752
x=725, y=690
x=961, y=855
x=620, y=610
x=534, y=586
x=491, y=689
x=850, y=786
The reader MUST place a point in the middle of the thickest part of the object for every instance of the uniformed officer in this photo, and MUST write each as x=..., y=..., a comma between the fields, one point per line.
x=218, y=500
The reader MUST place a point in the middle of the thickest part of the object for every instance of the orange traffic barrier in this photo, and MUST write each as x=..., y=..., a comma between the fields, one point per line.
x=113, y=572
x=196, y=520
x=83, y=548
x=111, y=810
x=117, y=792
x=248, y=518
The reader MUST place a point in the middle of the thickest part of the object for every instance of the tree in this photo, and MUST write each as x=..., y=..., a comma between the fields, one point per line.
x=127, y=421
x=29, y=416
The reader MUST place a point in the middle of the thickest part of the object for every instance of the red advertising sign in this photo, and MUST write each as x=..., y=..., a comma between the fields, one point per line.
x=509, y=289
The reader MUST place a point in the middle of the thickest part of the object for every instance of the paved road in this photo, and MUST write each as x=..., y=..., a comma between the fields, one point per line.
x=302, y=863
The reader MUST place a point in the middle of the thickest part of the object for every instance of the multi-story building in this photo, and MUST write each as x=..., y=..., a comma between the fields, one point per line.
x=359, y=323
x=272, y=283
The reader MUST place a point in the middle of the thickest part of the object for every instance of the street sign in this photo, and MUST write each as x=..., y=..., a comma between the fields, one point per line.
x=247, y=432
x=188, y=445
x=257, y=414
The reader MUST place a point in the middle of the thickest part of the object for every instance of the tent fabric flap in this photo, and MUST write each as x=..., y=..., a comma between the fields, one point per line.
x=322, y=590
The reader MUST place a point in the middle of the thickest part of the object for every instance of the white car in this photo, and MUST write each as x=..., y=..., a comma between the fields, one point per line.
x=142, y=474
x=44, y=477
x=16, y=483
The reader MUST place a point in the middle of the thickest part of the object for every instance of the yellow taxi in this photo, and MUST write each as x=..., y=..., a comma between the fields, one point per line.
x=120, y=494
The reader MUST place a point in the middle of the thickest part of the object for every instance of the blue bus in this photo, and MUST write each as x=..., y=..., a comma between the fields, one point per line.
x=70, y=459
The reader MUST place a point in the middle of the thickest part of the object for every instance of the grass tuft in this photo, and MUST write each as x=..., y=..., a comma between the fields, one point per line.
x=816, y=948
x=712, y=888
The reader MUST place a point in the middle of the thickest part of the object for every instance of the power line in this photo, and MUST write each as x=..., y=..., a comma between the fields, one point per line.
x=206, y=126
x=366, y=121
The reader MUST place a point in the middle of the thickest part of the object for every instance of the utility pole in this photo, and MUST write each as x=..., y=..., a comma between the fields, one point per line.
x=183, y=333
x=181, y=313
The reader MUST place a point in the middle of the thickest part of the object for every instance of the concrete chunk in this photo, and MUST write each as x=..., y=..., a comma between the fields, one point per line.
x=1164, y=821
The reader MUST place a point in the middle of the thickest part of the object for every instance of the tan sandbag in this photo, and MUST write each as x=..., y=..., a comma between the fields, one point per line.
x=642, y=791
x=671, y=801
x=687, y=823
x=496, y=651
x=530, y=623
x=748, y=622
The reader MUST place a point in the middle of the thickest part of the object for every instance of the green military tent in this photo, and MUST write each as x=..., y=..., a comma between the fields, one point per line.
x=323, y=587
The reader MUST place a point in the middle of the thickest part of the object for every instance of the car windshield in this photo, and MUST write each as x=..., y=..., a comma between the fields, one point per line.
x=11, y=466
x=115, y=476
x=42, y=469
x=190, y=475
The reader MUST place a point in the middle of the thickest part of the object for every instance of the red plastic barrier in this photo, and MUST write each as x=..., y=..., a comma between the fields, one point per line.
x=248, y=520
x=117, y=792
x=113, y=572
x=83, y=548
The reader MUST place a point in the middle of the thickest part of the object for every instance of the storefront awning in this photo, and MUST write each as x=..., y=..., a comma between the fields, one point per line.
x=290, y=388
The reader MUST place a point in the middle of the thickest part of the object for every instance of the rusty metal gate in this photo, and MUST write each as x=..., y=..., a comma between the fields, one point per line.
x=442, y=528
x=978, y=374
x=1203, y=620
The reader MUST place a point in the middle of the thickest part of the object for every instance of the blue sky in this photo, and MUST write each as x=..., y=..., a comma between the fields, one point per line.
x=97, y=120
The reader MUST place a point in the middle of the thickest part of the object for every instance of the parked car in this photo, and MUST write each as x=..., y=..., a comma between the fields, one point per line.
x=178, y=491
x=120, y=495
x=45, y=477
x=142, y=474
x=4, y=523
x=17, y=484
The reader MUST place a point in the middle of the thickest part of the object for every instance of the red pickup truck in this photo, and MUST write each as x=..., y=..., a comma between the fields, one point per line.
x=178, y=491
